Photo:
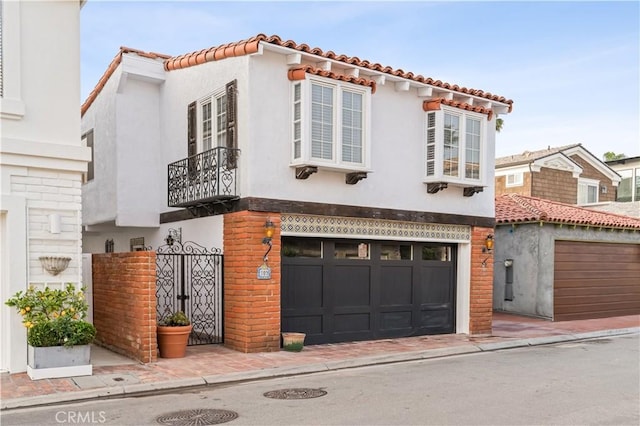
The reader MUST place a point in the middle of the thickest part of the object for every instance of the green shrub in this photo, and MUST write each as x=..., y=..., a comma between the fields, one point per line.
x=177, y=319
x=54, y=317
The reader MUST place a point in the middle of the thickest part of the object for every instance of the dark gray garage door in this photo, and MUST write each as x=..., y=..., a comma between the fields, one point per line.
x=595, y=280
x=345, y=290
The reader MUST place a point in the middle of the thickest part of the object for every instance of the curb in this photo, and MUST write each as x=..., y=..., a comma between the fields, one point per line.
x=142, y=388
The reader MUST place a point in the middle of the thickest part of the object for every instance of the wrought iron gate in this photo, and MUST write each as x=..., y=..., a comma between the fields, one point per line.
x=189, y=278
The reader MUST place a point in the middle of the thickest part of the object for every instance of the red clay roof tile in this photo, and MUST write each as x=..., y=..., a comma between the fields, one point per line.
x=434, y=104
x=299, y=74
x=248, y=46
x=514, y=208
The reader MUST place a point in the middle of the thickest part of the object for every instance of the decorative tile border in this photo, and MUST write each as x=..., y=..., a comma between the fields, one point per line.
x=351, y=227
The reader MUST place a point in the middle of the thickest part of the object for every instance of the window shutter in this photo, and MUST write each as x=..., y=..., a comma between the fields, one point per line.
x=431, y=144
x=192, y=140
x=232, y=141
x=192, y=147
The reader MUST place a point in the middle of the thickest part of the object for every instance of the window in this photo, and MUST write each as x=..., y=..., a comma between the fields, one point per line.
x=454, y=146
x=514, y=179
x=636, y=196
x=329, y=124
x=211, y=123
x=213, y=104
x=625, y=187
x=588, y=191
x=87, y=140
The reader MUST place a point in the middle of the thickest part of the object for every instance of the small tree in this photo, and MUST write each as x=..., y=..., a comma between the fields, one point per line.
x=611, y=156
x=499, y=124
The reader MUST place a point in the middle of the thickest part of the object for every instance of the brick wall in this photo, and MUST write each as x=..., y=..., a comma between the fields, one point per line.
x=251, y=306
x=124, y=303
x=555, y=185
x=481, y=297
x=590, y=172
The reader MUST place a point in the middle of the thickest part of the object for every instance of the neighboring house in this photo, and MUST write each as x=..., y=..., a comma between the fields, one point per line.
x=563, y=262
x=629, y=171
x=568, y=174
x=41, y=158
x=379, y=183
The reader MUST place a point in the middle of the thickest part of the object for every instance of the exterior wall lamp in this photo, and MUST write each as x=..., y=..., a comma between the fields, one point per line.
x=488, y=248
x=269, y=230
x=174, y=235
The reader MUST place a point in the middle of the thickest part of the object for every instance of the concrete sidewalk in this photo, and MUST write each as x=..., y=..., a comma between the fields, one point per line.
x=114, y=375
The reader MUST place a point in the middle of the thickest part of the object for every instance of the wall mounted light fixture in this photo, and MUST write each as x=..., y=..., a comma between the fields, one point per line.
x=269, y=230
x=174, y=236
x=488, y=248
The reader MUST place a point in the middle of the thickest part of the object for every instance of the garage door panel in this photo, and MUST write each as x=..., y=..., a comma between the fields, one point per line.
x=436, y=286
x=436, y=320
x=596, y=280
x=352, y=285
x=401, y=320
x=599, y=282
x=396, y=285
x=597, y=290
x=305, y=289
x=311, y=323
x=343, y=323
x=596, y=299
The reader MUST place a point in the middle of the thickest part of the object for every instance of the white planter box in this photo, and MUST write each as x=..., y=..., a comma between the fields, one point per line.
x=59, y=361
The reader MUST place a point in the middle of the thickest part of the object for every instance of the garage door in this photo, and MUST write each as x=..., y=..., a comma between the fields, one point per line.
x=595, y=280
x=346, y=290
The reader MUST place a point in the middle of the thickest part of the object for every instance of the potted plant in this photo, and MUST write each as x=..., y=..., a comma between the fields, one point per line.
x=58, y=337
x=293, y=342
x=173, y=335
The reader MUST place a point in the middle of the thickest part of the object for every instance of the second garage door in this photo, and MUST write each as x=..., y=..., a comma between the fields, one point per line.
x=345, y=290
x=595, y=280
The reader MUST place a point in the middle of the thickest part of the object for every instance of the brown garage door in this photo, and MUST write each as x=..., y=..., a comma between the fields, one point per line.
x=595, y=280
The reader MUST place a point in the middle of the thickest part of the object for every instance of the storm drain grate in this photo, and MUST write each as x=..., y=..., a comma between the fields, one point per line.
x=295, y=393
x=199, y=417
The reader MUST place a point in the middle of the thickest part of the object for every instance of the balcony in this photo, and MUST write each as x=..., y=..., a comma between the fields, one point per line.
x=205, y=178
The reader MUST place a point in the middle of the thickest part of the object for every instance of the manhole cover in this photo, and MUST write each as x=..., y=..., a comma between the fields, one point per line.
x=197, y=417
x=295, y=393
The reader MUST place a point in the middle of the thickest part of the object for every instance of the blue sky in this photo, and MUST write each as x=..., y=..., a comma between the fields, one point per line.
x=571, y=68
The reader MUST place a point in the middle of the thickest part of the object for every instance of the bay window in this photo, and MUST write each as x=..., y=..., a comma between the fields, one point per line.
x=330, y=122
x=454, y=147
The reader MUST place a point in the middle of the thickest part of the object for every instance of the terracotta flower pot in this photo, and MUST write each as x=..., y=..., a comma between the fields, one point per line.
x=293, y=342
x=172, y=340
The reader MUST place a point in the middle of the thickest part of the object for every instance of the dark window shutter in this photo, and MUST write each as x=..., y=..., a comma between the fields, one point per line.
x=192, y=140
x=232, y=141
x=192, y=146
x=90, y=165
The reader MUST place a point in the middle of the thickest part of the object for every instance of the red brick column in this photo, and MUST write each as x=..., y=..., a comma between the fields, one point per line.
x=481, y=296
x=251, y=306
x=124, y=303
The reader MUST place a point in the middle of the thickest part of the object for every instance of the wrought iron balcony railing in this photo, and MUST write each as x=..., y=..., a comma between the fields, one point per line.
x=203, y=178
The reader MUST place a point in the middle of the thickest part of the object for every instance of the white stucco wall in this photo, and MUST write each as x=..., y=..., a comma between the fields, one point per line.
x=41, y=158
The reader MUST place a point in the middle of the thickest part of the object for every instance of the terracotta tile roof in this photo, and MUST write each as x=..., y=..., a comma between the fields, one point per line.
x=111, y=69
x=434, y=104
x=514, y=208
x=530, y=156
x=248, y=46
x=299, y=74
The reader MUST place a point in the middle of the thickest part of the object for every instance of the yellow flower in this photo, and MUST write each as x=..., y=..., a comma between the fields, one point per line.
x=63, y=313
x=55, y=315
x=22, y=311
x=31, y=325
x=71, y=309
x=28, y=308
x=28, y=324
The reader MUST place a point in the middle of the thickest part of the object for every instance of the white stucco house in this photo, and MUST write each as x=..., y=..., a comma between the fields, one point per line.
x=42, y=161
x=380, y=183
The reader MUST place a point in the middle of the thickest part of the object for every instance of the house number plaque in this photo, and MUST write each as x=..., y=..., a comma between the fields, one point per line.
x=264, y=272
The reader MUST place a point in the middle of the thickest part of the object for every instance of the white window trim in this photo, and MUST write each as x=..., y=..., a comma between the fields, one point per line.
x=518, y=179
x=439, y=175
x=305, y=149
x=588, y=182
x=212, y=97
x=12, y=106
